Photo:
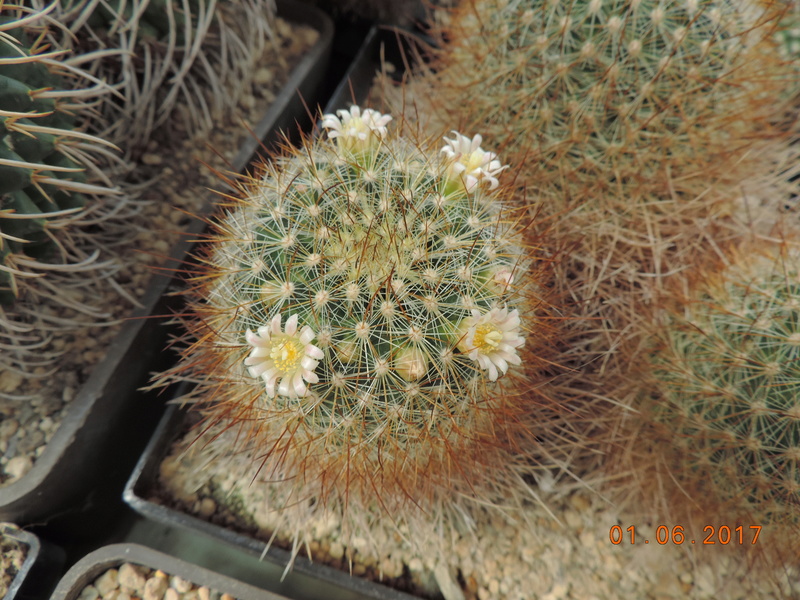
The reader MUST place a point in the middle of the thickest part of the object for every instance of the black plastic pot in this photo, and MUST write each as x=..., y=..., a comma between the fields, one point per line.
x=42, y=564
x=323, y=581
x=394, y=45
x=108, y=407
x=94, y=564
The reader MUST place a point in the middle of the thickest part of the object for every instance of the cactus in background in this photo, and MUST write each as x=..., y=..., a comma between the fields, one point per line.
x=613, y=97
x=42, y=172
x=727, y=375
x=362, y=313
x=51, y=183
x=41, y=178
x=161, y=57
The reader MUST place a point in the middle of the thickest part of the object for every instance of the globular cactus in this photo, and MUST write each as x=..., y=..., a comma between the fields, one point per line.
x=164, y=59
x=362, y=315
x=727, y=405
x=613, y=97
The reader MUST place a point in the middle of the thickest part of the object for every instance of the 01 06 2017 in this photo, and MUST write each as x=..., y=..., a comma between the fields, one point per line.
x=712, y=535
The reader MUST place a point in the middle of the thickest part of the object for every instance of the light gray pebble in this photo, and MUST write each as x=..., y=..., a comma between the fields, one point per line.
x=9, y=381
x=107, y=582
x=206, y=508
x=155, y=587
x=132, y=578
x=558, y=592
x=172, y=594
x=263, y=76
x=415, y=565
x=180, y=585
x=89, y=593
x=336, y=551
x=18, y=467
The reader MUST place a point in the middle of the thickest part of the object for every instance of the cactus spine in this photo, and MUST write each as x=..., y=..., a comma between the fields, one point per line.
x=42, y=174
x=51, y=183
x=164, y=59
x=362, y=310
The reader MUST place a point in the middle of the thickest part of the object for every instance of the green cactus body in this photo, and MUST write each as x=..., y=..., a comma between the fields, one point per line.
x=730, y=376
x=612, y=95
x=38, y=180
x=377, y=289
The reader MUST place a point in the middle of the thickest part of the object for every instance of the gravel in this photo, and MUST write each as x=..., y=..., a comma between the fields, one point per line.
x=12, y=556
x=32, y=407
x=132, y=582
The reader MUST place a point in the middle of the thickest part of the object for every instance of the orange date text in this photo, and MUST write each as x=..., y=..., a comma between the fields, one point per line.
x=712, y=535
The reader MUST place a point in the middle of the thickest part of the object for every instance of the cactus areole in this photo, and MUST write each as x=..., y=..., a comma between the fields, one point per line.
x=363, y=303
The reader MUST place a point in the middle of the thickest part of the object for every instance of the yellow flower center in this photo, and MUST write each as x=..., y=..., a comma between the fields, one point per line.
x=487, y=338
x=287, y=354
x=350, y=139
x=472, y=161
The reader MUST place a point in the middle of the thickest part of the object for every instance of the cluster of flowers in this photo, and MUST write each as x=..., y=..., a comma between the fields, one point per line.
x=285, y=357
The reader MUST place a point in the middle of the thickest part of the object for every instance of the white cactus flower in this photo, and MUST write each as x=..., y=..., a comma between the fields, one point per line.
x=492, y=340
x=283, y=358
x=469, y=163
x=353, y=129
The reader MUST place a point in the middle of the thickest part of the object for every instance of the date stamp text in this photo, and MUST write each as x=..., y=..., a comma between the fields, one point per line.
x=712, y=535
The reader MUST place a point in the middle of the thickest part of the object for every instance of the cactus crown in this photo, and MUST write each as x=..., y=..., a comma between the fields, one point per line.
x=367, y=292
x=732, y=394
